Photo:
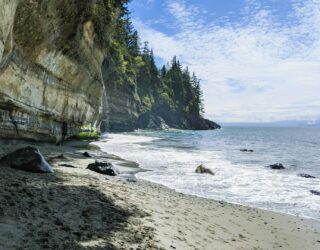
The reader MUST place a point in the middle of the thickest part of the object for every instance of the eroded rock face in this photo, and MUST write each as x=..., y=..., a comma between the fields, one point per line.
x=152, y=122
x=50, y=69
x=120, y=109
x=7, y=13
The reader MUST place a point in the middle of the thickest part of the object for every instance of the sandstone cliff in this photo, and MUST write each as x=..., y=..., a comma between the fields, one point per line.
x=66, y=64
x=120, y=106
x=50, y=68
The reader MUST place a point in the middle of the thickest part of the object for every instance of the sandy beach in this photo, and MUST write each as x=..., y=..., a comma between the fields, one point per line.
x=75, y=208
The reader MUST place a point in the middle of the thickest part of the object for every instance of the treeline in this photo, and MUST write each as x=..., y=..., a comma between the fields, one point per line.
x=169, y=89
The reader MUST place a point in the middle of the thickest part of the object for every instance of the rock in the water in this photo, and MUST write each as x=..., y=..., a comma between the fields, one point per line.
x=307, y=176
x=203, y=170
x=277, y=166
x=86, y=154
x=105, y=168
x=27, y=159
x=315, y=192
x=247, y=150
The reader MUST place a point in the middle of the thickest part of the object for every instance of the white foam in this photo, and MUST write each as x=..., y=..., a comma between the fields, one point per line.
x=248, y=185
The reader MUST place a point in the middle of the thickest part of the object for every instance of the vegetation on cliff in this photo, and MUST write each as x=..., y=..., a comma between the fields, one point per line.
x=51, y=54
x=56, y=59
x=172, y=92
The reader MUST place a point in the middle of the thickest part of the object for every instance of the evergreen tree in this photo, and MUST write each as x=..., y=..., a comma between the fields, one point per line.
x=132, y=68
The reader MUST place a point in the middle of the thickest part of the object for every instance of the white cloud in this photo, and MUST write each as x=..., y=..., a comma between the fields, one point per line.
x=254, y=70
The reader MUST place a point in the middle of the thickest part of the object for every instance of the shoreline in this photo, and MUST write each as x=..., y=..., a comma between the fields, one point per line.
x=240, y=178
x=231, y=203
x=77, y=203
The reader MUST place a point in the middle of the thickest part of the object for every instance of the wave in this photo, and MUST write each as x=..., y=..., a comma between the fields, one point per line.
x=246, y=184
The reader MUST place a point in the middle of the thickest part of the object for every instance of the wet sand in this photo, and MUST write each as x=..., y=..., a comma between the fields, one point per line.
x=75, y=208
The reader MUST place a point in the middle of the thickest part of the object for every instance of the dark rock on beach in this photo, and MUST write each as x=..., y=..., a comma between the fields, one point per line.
x=203, y=170
x=27, y=159
x=277, y=166
x=105, y=168
x=307, y=176
x=315, y=192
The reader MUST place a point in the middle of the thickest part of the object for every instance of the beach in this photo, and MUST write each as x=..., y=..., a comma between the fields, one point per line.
x=76, y=208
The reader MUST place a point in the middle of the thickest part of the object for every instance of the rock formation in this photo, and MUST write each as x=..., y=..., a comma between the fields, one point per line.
x=62, y=68
x=120, y=109
x=50, y=69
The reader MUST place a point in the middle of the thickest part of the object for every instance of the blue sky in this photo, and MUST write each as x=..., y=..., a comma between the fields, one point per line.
x=259, y=60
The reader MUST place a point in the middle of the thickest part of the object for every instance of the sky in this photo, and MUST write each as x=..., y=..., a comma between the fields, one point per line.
x=259, y=60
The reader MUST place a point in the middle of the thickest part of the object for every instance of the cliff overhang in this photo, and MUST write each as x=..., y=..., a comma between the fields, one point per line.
x=50, y=69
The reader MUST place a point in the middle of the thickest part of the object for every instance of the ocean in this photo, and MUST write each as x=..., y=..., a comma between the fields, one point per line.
x=240, y=177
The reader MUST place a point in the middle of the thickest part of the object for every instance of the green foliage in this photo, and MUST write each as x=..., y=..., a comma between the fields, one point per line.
x=104, y=14
x=88, y=135
x=166, y=101
x=139, y=61
x=132, y=68
x=146, y=104
x=179, y=90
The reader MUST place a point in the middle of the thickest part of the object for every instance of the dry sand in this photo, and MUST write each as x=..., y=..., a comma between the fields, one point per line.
x=75, y=208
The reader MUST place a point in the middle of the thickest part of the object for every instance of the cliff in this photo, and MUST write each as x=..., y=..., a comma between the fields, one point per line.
x=120, y=111
x=140, y=96
x=158, y=120
x=69, y=64
x=50, y=68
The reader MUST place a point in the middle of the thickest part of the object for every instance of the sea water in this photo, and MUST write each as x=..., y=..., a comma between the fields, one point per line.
x=241, y=178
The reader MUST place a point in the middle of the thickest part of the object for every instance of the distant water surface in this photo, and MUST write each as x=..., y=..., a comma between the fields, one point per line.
x=240, y=178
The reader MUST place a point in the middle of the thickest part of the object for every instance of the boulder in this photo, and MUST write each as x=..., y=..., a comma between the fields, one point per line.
x=315, y=192
x=307, y=176
x=277, y=166
x=203, y=170
x=27, y=159
x=105, y=168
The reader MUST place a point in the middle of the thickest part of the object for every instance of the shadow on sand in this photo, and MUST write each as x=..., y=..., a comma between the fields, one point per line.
x=45, y=212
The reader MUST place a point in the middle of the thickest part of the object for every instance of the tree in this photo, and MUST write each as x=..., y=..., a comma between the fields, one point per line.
x=132, y=67
x=198, y=106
